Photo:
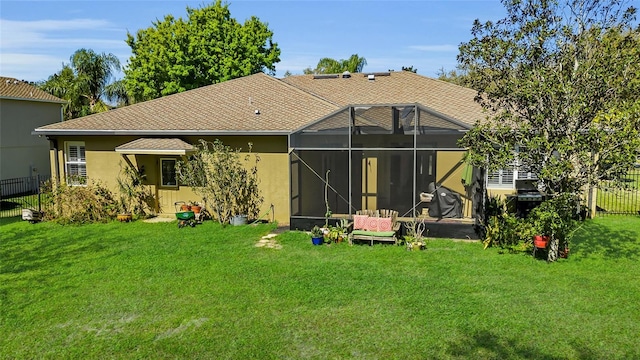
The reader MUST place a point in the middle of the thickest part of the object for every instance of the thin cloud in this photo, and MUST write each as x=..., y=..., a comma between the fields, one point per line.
x=45, y=33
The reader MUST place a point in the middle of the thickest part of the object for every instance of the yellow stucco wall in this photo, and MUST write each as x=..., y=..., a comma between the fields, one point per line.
x=449, y=170
x=103, y=166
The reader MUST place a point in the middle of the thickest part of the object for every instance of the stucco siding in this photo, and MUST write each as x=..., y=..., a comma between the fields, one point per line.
x=449, y=170
x=103, y=166
x=23, y=154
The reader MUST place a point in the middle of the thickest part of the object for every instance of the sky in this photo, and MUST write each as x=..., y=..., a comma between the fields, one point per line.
x=37, y=37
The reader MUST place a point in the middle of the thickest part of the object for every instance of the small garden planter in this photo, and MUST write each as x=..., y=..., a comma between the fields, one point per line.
x=540, y=241
x=124, y=217
x=317, y=236
x=238, y=220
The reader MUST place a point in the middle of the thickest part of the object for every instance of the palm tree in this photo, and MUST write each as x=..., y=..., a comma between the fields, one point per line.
x=94, y=72
x=87, y=83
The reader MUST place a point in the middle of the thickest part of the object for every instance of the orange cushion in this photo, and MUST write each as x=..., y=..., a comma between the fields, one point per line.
x=360, y=222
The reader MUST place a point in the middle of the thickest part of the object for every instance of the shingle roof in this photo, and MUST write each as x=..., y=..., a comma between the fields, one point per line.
x=155, y=146
x=255, y=103
x=15, y=89
x=263, y=104
x=401, y=87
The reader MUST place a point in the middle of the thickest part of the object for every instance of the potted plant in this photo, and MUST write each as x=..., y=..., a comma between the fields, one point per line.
x=414, y=239
x=338, y=232
x=195, y=207
x=554, y=221
x=317, y=235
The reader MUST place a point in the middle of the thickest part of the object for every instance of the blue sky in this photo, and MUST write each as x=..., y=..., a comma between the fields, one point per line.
x=37, y=37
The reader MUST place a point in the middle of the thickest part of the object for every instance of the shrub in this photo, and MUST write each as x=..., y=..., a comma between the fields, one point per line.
x=217, y=173
x=82, y=204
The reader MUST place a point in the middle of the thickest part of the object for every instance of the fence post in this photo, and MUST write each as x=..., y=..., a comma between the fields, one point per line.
x=39, y=192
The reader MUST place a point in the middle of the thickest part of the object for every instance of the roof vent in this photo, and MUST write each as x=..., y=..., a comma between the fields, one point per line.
x=326, y=76
x=346, y=75
x=371, y=77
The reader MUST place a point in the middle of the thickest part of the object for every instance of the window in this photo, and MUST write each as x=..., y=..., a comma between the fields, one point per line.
x=76, y=164
x=506, y=178
x=168, y=172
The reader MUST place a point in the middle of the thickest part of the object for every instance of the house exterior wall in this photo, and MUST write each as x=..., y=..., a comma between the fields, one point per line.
x=23, y=154
x=103, y=166
x=449, y=170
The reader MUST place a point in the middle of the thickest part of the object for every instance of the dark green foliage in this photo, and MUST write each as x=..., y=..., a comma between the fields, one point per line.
x=175, y=55
x=502, y=228
x=560, y=79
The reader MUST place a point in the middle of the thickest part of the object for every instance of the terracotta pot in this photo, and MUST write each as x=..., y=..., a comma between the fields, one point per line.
x=185, y=207
x=540, y=241
x=196, y=208
x=124, y=217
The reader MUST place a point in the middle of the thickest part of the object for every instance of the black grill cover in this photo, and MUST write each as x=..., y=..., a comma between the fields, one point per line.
x=445, y=203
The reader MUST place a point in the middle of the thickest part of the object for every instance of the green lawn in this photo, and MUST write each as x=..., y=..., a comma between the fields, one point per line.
x=144, y=291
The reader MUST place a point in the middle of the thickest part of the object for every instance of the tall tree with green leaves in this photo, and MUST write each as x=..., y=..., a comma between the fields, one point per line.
x=175, y=55
x=87, y=83
x=560, y=80
x=353, y=64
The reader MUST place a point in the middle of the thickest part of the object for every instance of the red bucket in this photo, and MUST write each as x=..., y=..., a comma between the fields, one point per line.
x=540, y=241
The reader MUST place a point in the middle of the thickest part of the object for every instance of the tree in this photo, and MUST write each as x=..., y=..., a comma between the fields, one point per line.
x=560, y=80
x=457, y=76
x=353, y=64
x=219, y=174
x=86, y=83
x=410, y=68
x=176, y=55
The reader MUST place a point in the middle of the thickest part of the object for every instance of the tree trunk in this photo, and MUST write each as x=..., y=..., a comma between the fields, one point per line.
x=553, y=249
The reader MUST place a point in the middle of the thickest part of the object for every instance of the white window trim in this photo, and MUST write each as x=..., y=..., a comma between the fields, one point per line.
x=162, y=184
x=517, y=175
x=80, y=162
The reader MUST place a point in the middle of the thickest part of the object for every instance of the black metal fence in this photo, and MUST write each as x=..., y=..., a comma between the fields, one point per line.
x=31, y=192
x=620, y=201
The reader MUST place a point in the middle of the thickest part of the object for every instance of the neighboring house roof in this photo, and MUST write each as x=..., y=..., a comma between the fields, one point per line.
x=14, y=89
x=261, y=104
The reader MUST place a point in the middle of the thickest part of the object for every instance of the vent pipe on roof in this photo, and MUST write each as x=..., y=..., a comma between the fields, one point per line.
x=371, y=77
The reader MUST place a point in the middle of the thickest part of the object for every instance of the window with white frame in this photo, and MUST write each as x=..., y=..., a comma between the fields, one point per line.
x=506, y=178
x=76, y=163
x=168, y=176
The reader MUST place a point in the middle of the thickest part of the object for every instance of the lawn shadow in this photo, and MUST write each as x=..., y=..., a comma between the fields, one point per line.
x=486, y=344
x=594, y=240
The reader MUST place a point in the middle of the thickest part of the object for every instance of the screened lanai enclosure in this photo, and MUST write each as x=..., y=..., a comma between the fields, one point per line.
x=378, y=157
